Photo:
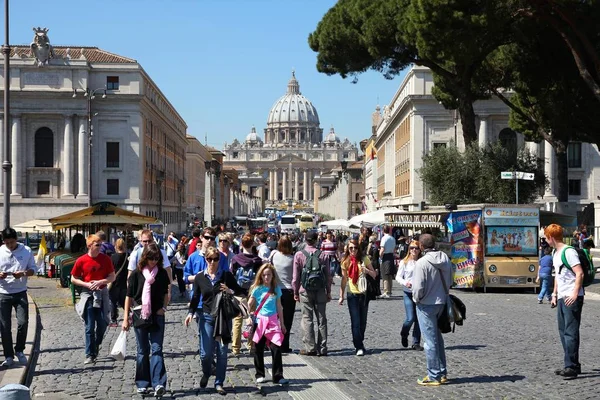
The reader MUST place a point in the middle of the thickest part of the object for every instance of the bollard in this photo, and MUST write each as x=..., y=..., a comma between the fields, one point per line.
x=14, y=391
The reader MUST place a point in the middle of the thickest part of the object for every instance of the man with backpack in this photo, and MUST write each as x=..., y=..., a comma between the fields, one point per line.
x=311, y=283
x=570, y=277
x=244, y=267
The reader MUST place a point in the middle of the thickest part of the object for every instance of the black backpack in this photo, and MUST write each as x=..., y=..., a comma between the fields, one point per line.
x=589, y=272
x=313, y=274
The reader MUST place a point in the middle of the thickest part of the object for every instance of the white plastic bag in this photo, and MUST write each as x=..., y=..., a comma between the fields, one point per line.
x=119, y=350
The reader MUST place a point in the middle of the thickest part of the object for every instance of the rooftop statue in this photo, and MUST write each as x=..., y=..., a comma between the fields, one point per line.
x=41, y=48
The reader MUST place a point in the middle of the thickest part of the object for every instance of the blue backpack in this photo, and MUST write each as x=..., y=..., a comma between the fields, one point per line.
x=245, y=276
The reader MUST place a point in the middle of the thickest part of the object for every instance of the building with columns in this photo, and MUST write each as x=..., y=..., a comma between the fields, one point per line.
x=85, y=96
x=413, y=123
x=295, y=160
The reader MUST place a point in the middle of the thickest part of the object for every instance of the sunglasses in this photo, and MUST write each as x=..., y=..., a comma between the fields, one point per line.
x=212, y=259
x=209, y=237
x=153, y=258
x=97, y=245
x=146, y=241
x=352, y=248
x=413, y=248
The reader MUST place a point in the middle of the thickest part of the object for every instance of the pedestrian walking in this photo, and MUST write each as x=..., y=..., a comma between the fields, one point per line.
x=329, y=250
x=266, y=294
x=244, y=267
x=430, y=294
x=405, y=277
x=147, y=300
x=146, y=238
x=388, y=267
x=544, y=277
x=373, y=253
x=354, y=264
x=93, y=271
x=178, y=263
x=283, y=261
x=311, y=282
x=568, y=295
x=215, y=333
x=117, y=290
x=16, y=264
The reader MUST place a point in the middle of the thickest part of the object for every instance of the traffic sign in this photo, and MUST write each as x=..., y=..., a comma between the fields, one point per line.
x=527, y=176
x=507, y=175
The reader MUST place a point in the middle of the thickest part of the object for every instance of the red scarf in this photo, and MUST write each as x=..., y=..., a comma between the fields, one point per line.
x=353, y=271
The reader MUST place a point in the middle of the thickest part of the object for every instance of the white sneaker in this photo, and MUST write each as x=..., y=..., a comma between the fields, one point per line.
x=261, y=380
x=21, y=357
x=8, y=362
x=360, y=353
x=384, y=296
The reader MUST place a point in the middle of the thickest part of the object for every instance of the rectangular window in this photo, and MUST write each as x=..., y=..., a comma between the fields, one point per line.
x=345, y=155
x=112, y=154
x=574, y=155
x=43, y=188
x=112, y=83
x=112, y=187
x=437, y=145
x=574, y=187
x=235, y=154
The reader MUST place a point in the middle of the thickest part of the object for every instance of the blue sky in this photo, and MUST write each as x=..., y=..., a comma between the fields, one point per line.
x=222, y=64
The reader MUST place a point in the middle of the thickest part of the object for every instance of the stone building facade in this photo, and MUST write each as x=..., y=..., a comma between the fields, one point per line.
x=294, y=161
x=138, y=142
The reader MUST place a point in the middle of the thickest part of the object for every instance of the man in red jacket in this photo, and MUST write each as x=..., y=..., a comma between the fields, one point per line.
x=195, y=238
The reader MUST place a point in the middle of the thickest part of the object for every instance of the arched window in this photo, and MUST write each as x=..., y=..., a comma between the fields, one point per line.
x=508, y=140
x=300, y=196
x=357, y=197
x=44, y=147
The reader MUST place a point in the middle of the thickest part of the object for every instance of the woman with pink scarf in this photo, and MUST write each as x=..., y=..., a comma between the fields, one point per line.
x=265, y=294
x=147, y=298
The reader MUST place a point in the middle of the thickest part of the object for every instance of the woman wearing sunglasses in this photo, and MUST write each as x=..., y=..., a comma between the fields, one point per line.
x=207, y=284
x=148, y=288
x=355, y=263
x=404, y=277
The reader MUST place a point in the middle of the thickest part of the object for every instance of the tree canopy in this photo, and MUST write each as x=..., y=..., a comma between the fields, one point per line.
x=473, y=176
x=451, y=37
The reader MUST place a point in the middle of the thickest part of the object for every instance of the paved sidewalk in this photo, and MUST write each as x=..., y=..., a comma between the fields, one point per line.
x=507, y=349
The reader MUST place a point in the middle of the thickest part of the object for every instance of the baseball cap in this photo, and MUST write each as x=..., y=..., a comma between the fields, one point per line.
x=311, y=236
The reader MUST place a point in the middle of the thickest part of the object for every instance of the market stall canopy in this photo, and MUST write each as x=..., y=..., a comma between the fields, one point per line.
x=101, y=213
x=336, y=224
x=34, y=226
x=371, y=219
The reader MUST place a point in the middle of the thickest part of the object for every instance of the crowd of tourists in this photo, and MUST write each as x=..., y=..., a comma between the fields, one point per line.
x=246, y=289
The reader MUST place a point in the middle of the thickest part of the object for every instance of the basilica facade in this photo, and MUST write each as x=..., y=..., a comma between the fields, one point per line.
x=294, y=162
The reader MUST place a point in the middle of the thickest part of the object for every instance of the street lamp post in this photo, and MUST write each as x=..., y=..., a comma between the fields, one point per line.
x=90, y=95
x=160, y=178
x=6, y=163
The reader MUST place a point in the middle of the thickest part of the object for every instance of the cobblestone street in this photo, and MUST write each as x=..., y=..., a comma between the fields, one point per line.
x=507, y=349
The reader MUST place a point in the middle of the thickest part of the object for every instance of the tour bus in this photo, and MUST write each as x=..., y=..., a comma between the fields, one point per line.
x=306, y=222
x=241, y=222
x=258, y=225
x=287, y=224
x=490, y=245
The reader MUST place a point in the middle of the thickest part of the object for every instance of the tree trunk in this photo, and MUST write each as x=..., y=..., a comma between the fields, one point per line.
x=562, y=171
x=467, y=120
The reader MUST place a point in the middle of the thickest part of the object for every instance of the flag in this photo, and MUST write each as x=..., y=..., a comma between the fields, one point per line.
x=42, y=251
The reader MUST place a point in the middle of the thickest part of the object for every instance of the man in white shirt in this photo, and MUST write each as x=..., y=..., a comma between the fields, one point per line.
x=146, y=238
x=263, y=250
x=568, y=296
x=388, y=266
x=16, y=264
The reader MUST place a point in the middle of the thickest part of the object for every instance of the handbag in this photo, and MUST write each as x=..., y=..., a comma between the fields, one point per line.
x=138, y=321
x=455, y=311
x=250, y=328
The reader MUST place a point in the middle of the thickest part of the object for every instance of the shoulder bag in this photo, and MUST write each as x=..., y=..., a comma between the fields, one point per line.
x=250, y=327
x=455, y=311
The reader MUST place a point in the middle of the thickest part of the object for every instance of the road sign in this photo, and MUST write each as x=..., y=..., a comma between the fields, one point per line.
x=527, y=176
x=507, y=175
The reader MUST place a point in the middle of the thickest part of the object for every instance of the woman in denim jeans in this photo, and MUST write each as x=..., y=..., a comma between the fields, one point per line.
x=207, y=284
x=404, y=277
x=354, y=264
x=545, y=275
x=148, y=289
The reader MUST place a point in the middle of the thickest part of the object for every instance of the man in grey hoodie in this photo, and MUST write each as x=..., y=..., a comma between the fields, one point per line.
x=431, y=296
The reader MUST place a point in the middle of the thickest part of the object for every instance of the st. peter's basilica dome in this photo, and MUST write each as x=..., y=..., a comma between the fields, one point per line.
x=293, y=108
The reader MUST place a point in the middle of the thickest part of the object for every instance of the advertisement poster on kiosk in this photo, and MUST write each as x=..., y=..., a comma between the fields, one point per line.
x=465, y=228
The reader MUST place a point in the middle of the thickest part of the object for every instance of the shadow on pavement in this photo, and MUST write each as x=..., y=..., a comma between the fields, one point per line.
x=466, y=347
x=72, y=370
x=486, y=379
x=55, y=350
